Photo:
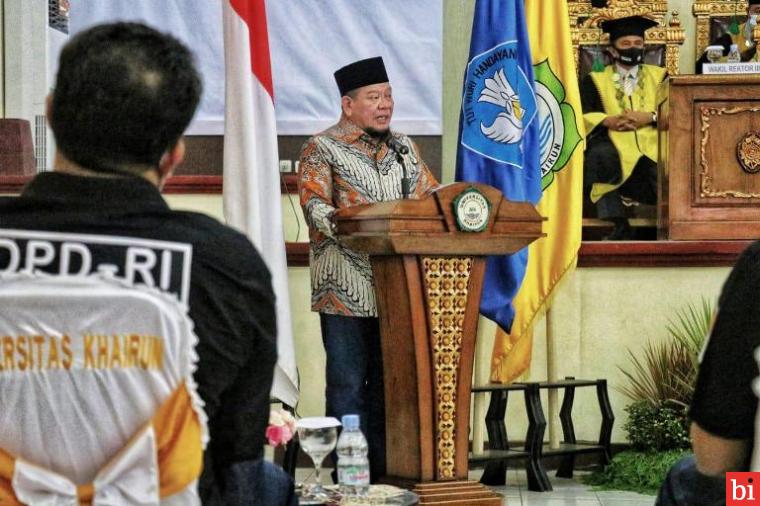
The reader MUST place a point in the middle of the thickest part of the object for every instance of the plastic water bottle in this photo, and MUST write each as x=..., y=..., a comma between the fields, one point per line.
x=353, y=464
x=733, y=54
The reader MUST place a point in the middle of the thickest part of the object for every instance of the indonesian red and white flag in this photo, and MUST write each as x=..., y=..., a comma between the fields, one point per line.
x=251, y=164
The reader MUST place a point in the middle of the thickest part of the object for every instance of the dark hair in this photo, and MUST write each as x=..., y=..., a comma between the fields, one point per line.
x=124, y=94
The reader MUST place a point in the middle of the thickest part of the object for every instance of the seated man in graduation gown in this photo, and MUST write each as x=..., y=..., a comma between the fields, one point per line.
x=619, y=106
x=739, y=34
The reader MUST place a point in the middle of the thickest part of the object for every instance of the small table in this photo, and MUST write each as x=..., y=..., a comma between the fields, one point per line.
x=406, y=498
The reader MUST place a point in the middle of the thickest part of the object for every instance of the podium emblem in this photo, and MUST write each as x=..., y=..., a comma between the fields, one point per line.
x=472, y=210
x=748, y=153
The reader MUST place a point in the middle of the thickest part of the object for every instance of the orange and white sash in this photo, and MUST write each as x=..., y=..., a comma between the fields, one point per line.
x=97, y=400
x=132, y=478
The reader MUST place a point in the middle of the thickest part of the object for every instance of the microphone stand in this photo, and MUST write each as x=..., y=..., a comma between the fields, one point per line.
x=404, y=176
x=400, y=149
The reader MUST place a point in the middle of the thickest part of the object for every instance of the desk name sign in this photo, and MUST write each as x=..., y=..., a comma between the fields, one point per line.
x=747, y=67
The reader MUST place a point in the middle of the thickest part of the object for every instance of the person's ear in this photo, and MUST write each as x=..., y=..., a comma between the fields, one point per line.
x=346, y=105
x=49, y=108
x=170, y=160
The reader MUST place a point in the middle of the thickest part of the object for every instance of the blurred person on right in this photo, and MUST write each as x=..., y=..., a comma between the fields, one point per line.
x=723, y=411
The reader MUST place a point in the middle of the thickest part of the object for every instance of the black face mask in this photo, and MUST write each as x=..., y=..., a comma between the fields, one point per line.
x=630, y=56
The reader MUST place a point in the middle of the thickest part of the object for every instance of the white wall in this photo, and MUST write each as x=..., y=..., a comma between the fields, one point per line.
x=25, y=62
x=594, y=335
x=599, y=314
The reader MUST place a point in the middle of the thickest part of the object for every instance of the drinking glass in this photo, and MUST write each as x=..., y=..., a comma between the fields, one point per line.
x=317, y=437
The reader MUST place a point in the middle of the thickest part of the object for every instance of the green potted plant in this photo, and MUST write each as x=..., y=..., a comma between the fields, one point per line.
x=661, y=386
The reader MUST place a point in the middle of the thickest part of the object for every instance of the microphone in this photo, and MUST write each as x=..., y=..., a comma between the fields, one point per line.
x=400, y=150
x=396, y=145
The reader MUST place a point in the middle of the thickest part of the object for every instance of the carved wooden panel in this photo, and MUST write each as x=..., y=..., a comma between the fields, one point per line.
x=446, y=284
x=727, y=132
x=709, y=180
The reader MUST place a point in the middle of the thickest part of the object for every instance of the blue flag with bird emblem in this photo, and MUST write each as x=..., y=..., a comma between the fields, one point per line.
x=499, y=141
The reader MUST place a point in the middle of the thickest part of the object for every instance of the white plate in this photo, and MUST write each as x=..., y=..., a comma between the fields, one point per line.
x=317, y=422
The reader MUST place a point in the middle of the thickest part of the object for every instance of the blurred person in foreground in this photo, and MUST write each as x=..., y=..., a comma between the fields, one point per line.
x=723, y=411
x=124, y=95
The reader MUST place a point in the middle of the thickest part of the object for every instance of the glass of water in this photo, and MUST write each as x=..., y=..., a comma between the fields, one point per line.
x=317, y=437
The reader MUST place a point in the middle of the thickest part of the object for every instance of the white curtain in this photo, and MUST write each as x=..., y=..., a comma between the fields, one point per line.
x=197, y=23
x=309, y=40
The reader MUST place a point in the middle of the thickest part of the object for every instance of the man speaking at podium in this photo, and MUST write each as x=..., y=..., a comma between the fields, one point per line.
x=357, y=161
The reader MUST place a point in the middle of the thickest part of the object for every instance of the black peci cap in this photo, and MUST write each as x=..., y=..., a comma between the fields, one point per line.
x=754, y=2
x=361, y=73
x=631, y=25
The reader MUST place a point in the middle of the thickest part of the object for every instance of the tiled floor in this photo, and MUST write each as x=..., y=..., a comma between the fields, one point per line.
x=566, y=492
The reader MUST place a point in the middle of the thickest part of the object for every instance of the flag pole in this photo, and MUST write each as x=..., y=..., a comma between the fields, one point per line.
x=551, y=373
x=251, y=166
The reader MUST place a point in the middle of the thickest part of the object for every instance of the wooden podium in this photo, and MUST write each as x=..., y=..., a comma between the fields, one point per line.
x=709, y=157
x=428, y=280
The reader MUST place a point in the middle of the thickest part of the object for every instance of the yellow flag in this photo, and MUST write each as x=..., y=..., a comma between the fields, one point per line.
x=561, y=134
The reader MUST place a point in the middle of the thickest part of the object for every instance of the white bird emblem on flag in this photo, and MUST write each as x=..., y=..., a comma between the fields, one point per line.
x=507, y=128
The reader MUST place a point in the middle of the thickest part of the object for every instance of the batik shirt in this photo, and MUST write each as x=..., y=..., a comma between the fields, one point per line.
x=343, y=167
